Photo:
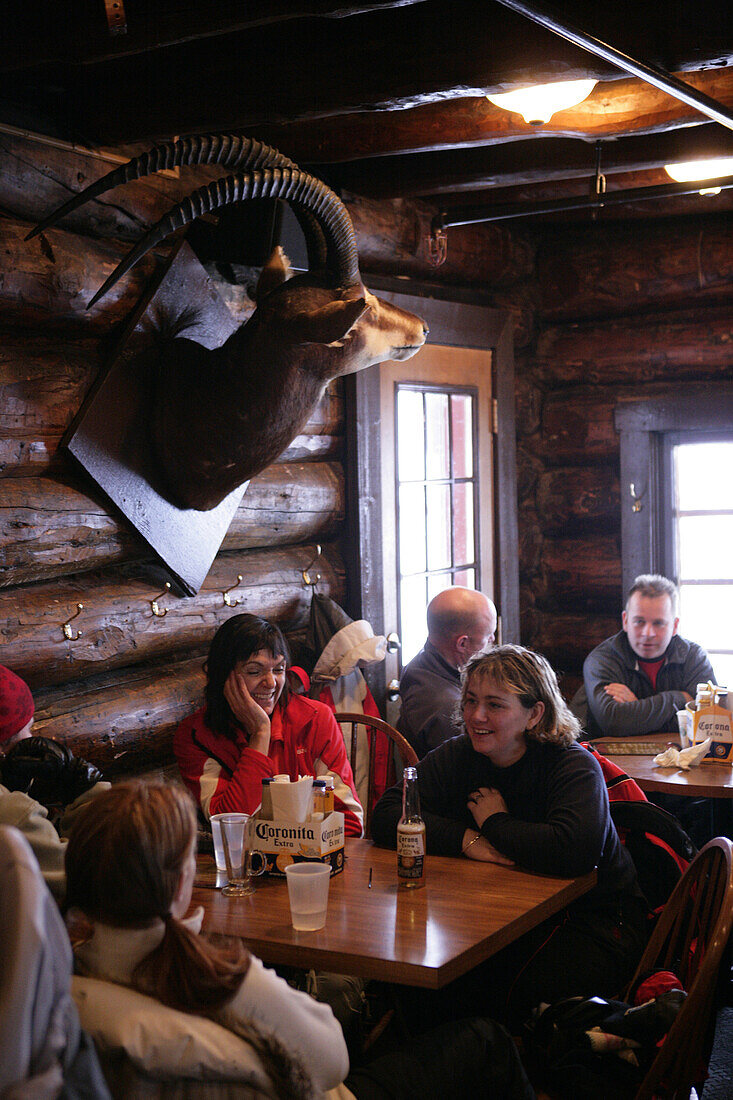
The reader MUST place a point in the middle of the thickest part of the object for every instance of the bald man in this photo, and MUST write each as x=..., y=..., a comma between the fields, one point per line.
x=460, y=623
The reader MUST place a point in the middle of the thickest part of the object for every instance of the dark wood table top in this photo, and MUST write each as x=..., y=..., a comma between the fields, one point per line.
x=466, y=912
x=703, y=781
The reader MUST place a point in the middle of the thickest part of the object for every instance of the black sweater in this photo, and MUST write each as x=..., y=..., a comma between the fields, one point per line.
x=558, y=821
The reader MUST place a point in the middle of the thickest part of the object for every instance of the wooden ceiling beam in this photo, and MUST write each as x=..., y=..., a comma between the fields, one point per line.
x=403, y=57
x=82, y=37
x=526, y=162
x=614, y=109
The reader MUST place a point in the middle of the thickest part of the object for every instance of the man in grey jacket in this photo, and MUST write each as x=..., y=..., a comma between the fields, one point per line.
x=636, y=681
x=461, y=622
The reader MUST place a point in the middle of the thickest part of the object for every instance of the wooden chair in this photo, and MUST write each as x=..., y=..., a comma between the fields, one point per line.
x=372, y=726
x=691, y=939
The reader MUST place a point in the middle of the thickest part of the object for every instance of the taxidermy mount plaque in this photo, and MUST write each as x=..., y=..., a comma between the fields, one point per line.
x=111, y=436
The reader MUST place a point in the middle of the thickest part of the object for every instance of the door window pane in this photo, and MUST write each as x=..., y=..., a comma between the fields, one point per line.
x=413, y=625
x=704, y=480
x=410, y=435
x=705, y=544
x=463, y=526
x=439, y=526
x=437, y=450
x=413, y=543
x=462, y=434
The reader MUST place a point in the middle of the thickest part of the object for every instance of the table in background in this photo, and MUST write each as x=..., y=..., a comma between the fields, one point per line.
x=466, y=912
x=704, y=781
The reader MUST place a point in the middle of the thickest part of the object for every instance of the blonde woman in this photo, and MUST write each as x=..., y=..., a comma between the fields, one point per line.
x=515, y=787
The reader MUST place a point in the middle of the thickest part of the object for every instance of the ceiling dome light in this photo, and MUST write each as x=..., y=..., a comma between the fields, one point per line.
x=712, y=168
x=540, y=102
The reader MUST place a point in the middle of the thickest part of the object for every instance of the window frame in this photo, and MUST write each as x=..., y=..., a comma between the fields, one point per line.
x=645, y=428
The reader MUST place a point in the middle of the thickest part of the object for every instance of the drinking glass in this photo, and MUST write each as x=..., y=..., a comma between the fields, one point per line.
x=238, y=855
x=308, y=894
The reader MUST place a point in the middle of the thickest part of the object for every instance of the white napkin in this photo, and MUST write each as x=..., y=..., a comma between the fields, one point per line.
x=684, y=758
x=294, y=800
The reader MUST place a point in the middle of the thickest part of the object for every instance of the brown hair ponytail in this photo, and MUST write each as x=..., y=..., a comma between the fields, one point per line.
x=123, y=864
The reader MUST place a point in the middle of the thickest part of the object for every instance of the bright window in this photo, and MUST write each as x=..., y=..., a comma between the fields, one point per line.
x=437, y=486
x=703, y=543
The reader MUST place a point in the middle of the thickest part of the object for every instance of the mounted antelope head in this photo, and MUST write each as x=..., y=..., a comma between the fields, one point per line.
x=222, y=416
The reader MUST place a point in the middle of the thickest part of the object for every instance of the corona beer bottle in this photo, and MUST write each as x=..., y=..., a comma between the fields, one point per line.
x=410, y=835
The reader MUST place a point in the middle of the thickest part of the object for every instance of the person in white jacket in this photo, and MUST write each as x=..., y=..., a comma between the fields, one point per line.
x=130, y=867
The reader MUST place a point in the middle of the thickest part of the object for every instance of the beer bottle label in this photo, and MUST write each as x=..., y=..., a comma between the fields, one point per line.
x=410, y=853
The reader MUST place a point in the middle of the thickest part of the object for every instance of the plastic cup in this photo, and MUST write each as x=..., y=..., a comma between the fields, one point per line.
x=308, y=894
x=238, y=855
x=216, y=836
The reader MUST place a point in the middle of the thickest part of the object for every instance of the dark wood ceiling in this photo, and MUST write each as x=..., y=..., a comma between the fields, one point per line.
x=385, y=100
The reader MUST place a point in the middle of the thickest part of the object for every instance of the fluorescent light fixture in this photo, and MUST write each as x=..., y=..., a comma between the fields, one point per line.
x=711, y=169
x=540, y=102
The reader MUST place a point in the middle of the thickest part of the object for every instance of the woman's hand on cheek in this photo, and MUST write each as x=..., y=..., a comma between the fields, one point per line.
x=247, y=712
x=485, y=802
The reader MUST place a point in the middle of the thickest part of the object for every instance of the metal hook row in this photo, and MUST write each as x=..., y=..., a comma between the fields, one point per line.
x=160, y=612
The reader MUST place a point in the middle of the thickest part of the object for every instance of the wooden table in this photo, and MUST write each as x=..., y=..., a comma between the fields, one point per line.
x=466, y=912
x=704, y=781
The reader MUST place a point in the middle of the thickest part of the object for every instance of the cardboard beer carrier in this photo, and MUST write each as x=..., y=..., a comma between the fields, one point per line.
x=711, y=719
x=283, y=842
x=298, y=837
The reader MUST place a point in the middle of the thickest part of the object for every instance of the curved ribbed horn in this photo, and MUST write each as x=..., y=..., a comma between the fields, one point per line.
x=303, y=191
x=228, y=150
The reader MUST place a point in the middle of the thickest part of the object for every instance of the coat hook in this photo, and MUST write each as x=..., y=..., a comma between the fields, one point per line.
x=154, y=606
x=312, y=582
x=227, y=598
x=637, y=506
x=67, y=627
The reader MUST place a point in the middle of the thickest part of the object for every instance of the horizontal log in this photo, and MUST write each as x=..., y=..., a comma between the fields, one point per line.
x=391, y=237
x=118, y=625
x=659, y=347
x=51, y=528
x=569, y=498
x=49, y=280
x=600, y=272
x=38, y=176
x=44, y=378
x=581, y=572
x=123, y=723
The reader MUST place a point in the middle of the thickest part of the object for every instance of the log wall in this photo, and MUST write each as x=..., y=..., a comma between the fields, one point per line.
x=621, y=314
x=116, y=691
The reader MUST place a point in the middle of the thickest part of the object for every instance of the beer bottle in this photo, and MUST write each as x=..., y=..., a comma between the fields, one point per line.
x=410, y=835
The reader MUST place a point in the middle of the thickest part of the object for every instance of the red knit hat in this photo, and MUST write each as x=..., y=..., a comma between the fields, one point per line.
x=16, y=704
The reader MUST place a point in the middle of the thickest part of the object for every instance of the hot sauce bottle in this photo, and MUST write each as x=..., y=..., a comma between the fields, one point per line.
x=410, y=835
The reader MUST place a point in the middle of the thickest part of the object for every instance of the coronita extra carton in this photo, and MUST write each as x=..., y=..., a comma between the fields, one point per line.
x=283, y=842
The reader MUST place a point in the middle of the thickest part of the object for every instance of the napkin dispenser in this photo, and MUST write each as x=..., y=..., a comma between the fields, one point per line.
x=294, y=834
x=711, y=719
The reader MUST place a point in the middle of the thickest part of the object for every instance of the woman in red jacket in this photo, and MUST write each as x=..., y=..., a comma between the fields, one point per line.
x=252, y=727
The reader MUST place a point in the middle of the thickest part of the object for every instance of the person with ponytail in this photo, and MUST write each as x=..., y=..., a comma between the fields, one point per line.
x=130, y=867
